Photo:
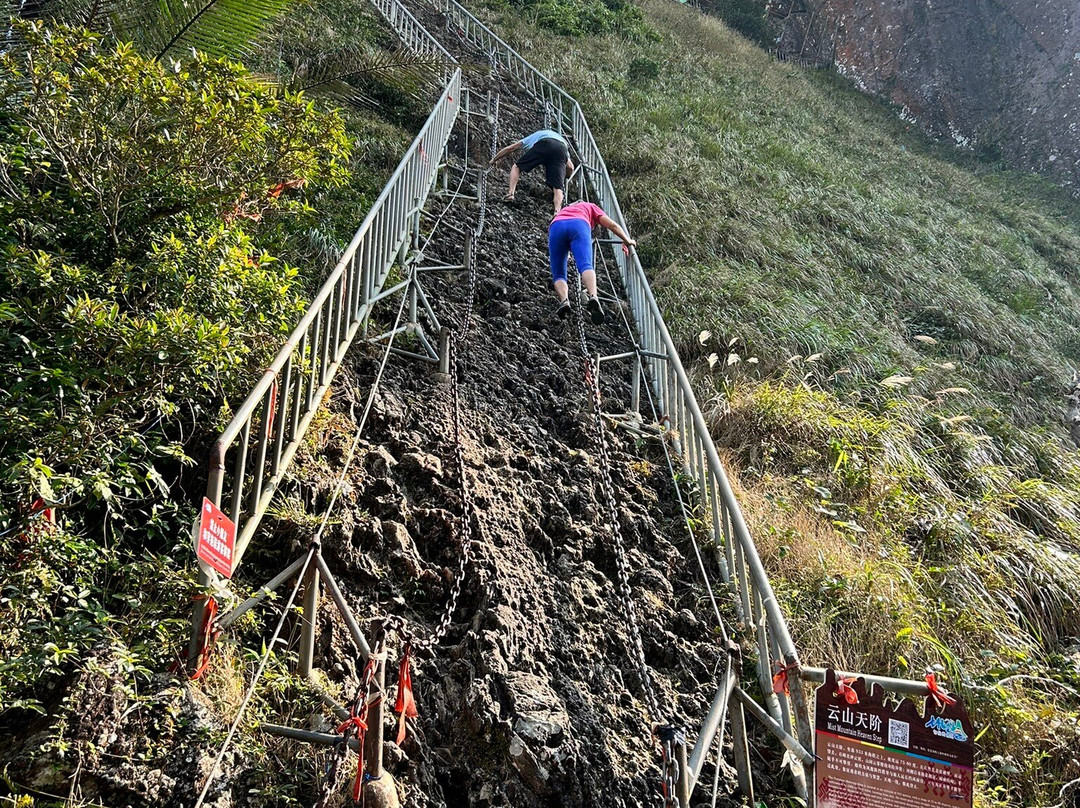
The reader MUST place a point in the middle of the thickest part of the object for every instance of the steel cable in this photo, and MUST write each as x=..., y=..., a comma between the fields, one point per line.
x=258, y=675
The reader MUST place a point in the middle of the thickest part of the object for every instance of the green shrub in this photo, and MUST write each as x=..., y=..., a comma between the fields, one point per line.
x=134, y=283
x=139, y=298
x=104, y=142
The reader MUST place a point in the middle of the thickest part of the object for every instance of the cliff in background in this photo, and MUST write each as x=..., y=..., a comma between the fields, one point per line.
x=998, y=76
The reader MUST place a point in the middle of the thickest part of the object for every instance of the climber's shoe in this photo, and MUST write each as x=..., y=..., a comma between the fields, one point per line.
x=563, y=310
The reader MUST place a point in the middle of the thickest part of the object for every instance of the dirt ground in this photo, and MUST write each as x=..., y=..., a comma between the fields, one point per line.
x=533, y=698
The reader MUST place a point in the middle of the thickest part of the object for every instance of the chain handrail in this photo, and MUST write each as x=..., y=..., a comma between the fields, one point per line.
x=739, y=560
x=266, y=429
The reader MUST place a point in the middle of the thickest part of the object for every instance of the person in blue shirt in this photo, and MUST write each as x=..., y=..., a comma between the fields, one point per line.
x=545, y=148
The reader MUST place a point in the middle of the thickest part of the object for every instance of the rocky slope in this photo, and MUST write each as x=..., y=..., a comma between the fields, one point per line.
x=1000, y=76
x=533, y=698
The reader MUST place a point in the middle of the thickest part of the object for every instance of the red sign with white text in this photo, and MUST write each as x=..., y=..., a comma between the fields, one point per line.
x=873, y=753
x=216, y=539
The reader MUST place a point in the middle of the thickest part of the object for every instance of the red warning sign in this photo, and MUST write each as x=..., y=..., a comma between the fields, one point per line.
x=876, y=754
x=216, y=539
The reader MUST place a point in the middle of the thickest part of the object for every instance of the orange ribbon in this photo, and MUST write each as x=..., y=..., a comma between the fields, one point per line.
x=358, y=724
x=780, y=680
x=844, y=688
x=405, y=703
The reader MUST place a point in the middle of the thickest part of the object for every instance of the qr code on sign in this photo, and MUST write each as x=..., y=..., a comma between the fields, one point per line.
x=898, y=733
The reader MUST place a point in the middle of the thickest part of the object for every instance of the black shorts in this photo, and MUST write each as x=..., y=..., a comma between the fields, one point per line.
x=551, y=154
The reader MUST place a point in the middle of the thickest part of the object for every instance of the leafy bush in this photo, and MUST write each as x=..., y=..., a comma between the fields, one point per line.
x=134, y=281
x=139, y=297
x=103, y=141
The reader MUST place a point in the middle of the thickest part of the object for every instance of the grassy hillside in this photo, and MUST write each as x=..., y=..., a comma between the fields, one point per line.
x=890, y=324
x=781, y=206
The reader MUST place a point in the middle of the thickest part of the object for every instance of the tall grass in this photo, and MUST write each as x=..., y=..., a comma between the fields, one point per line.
x=779, y=205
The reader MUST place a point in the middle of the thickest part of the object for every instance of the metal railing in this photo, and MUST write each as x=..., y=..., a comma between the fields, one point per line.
x=267, y=428
x=412, y=32
x=786, y=715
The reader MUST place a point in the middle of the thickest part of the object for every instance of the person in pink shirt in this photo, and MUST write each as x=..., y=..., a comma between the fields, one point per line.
x=571, y=231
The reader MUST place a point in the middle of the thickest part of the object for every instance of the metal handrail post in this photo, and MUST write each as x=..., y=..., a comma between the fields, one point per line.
x=343, y=608
x=309, y=618
x=373, y=741
x=682, y=785
x=740, y=748
x=714, y=719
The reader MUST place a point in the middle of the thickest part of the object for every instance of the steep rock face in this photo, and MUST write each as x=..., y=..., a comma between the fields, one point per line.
x=992, y=74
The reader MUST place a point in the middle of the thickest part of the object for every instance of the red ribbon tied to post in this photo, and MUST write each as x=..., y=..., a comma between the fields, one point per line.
x=780, y=680
x=358, y=725
x=844, y=688
x=208, y=634
x=941, y=696
x=39, y=506
x=405, y=703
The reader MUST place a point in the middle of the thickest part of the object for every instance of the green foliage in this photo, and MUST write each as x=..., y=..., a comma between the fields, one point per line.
x=55, y=609
x=745, y=16
x=105, y=337
x=104, y=141
x=223, y=28
x=641, y=72
x=141, y=206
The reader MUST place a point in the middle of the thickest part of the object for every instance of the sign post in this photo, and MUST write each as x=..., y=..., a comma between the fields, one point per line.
x=216, y=539
x=872, y=754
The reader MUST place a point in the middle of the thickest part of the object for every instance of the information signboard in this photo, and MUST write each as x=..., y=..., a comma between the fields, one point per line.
x=216, y=539
x=874, y=754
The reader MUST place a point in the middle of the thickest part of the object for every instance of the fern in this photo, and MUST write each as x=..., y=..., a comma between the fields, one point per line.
x=334, y=73
x=226, y=28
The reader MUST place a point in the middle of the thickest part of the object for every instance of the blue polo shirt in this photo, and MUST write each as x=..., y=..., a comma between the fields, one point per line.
x=543, y=134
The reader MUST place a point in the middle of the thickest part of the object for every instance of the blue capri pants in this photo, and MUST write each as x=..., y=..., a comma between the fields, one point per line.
x=566, y=236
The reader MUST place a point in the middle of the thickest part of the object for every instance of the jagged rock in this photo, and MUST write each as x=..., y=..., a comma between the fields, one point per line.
x=424, y=466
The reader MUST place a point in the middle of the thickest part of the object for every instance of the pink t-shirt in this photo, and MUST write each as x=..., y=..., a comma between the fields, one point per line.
x=581, y=210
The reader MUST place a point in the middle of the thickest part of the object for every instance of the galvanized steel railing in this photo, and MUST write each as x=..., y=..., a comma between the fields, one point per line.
x=785, y=714
x=267, y=428
x=412, y=33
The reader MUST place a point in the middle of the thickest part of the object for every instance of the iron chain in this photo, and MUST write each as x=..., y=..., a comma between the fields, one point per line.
x=621, y=562
x=670, y=739
x=361, y=703
x=465, y=519
x=398, y=623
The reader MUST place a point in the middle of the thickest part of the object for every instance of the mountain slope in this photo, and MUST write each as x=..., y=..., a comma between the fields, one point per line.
x=778, y=206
